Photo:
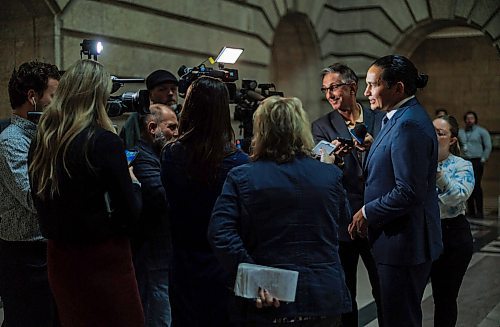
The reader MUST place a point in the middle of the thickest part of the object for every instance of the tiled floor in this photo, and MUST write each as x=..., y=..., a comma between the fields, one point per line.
x=479, y=298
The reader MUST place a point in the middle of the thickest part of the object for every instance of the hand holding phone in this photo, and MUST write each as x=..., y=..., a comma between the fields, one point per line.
x=327, y=148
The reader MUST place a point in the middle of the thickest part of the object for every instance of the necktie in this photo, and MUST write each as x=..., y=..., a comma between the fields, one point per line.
x=384, y=121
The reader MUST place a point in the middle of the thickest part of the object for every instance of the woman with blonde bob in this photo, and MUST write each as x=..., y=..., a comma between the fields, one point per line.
x=281, y=210
x=86, y=199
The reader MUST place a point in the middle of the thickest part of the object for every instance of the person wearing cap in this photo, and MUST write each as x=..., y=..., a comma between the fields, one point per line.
x=340, y=85
x=162, y=87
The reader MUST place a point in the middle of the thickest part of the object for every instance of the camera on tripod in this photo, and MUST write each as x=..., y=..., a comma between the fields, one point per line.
x=128, y=101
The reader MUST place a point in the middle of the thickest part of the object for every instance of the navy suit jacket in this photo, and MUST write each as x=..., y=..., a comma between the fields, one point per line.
x=328, y=128
x=400, y=191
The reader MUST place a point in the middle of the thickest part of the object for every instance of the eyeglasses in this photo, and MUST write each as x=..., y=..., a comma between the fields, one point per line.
x=333, y=87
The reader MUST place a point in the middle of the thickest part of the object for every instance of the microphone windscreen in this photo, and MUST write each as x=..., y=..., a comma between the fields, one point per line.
x=182, y=70
x=359, y=132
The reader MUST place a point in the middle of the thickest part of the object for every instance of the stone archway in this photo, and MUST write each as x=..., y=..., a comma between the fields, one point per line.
x=295, y=62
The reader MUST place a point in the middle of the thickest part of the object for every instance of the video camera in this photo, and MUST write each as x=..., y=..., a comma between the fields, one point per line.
x=189, y=75
x=248, y=99
x=127, y=101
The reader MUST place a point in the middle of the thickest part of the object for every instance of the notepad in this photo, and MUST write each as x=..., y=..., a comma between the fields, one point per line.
x=281, y=283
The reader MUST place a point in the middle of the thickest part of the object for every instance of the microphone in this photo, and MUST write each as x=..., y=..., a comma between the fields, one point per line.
x=255, y=96
x=359, y=132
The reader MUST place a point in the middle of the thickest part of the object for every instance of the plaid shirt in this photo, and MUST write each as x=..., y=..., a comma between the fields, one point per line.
x=18, y=218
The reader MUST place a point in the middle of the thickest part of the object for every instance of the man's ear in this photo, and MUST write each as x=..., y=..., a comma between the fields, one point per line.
x=31, y=96
x=354, y=88
x=151, y=127
x=400, y=87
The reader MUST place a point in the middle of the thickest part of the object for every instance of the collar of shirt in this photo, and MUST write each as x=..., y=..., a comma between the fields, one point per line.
x=360, y=119
x=24, y=124
x=391, y=113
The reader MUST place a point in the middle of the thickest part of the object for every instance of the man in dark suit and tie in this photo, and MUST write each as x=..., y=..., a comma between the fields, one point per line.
x=340, y=84
x=401, y=214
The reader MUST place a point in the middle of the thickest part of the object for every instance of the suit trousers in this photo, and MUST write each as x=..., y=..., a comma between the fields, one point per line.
x=349, y=253
x=448, y=271
x=402, y=288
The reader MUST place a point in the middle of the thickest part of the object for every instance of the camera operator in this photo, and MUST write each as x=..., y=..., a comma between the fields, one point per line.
x=24, y=287
x=152, y=243
x=162, y=87
x=340, y=84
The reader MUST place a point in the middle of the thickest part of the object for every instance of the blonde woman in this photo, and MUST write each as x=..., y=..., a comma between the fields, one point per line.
x=86, y=199
x=281, y=210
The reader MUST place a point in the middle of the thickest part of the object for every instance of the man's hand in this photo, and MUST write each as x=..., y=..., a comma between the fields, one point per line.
x=366, y=144
x=266, y=299
x=359, y=226
x=341, y=148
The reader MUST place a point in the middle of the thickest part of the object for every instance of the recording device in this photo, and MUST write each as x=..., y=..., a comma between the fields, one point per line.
x=189, y=74
x=131, y=155
x=359, y=132
x=327, y=148
x=345, y=142
x=247, y=100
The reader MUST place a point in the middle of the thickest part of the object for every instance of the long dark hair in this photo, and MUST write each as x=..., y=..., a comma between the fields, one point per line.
x=400, y=69
x=205, y=128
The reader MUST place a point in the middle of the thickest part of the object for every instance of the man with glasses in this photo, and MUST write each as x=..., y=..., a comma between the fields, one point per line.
x=340, y=85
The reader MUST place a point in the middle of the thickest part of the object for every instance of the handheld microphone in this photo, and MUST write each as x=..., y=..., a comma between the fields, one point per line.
x=359, y=132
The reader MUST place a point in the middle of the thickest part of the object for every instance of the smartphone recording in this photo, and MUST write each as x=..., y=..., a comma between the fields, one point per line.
x=327, y=147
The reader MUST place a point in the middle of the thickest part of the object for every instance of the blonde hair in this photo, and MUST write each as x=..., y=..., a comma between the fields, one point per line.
x=281, y=130
x=79, y=102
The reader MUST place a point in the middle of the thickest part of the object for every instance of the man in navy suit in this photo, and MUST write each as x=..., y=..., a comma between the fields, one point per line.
x=401, y=214
x=340, y=84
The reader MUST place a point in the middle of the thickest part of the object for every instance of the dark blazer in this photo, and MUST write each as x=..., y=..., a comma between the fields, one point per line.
x=400, y=190
x=153, y=223
x=328, y=128
x=284, y=215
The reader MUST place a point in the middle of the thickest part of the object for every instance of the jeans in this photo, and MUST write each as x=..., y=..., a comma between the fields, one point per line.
x=151, y=264
x=24, y=287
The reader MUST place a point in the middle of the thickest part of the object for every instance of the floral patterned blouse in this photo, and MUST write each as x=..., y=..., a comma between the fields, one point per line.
x=454, y=185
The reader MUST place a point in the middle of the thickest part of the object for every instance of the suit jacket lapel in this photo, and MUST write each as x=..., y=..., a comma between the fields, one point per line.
x=390, y=124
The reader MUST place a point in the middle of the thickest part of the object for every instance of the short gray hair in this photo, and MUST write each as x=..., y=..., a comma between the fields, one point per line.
x=346, y=74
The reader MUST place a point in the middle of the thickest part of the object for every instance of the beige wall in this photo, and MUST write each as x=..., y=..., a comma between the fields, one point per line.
x=464, y=74
x=286, y=41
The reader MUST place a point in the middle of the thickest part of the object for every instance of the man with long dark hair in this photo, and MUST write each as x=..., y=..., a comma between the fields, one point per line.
x=401, y=214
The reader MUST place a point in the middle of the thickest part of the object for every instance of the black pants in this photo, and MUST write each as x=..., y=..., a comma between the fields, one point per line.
x=349, y=253
x=475, y=201
x=24, y=287
x=448, y=271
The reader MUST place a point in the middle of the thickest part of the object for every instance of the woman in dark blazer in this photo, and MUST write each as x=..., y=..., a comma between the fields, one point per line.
x=87, y=199
x=193, y=169
x=281, y=210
